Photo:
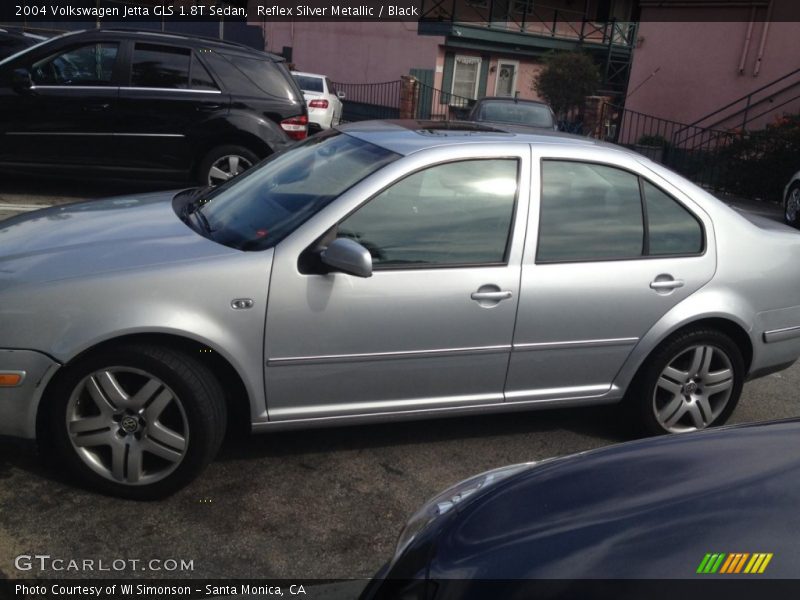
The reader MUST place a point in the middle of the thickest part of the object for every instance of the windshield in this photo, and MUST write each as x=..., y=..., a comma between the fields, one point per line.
x=517, y=113
x=261, y=207
x=309, y=84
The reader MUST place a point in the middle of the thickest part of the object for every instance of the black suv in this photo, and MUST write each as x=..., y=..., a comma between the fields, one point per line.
x=133, y=104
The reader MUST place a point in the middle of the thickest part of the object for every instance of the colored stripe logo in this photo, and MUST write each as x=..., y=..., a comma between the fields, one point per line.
x=735, y=563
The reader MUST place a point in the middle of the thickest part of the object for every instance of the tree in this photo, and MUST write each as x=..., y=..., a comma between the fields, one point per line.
x=566, y=79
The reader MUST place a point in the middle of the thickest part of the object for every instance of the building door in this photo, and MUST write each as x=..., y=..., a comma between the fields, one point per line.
x=506, y=78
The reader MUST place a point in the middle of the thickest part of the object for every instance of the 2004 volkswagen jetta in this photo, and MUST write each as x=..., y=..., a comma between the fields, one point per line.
x=380, y=271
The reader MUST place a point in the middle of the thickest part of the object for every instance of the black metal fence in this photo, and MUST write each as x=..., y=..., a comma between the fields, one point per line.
x=436, y=105
x=694, y=152
x=364, y=101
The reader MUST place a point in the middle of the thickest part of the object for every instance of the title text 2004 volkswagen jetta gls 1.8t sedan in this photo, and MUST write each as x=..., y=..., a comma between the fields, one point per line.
x=382, y=271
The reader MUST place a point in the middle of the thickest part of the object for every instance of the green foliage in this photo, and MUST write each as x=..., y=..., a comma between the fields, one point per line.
x=566, y=79
x=759, y=164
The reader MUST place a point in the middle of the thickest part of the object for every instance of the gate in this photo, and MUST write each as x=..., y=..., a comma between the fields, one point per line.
x=365, y=101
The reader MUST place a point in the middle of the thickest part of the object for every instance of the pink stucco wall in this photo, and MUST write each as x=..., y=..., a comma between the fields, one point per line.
x=685, y=70
x=354, y=52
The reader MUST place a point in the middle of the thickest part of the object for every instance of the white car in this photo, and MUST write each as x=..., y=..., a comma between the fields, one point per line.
x=324, y=103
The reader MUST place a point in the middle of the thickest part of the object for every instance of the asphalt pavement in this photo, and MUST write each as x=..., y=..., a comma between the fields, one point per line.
x=319, y=504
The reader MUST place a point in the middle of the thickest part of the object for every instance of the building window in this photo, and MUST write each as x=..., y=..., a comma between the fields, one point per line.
x=465, y=79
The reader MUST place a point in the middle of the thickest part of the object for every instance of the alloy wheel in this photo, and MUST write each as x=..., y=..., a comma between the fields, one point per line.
x=693, y=389
x=127, y=425
x=227, y=167
x=793, y=205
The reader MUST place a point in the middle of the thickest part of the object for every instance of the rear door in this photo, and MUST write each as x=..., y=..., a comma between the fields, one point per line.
x=169, y=95
x=610, y=250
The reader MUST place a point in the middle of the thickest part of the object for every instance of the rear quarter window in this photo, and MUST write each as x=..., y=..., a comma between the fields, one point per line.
x=254, y=76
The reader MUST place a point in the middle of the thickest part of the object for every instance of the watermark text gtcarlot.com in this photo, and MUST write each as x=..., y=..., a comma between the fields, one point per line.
x=45, y=563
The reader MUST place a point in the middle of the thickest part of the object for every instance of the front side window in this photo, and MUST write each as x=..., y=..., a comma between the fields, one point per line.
x=589, y=212
x=91, y=64
x=451, y=214
x=160, y=67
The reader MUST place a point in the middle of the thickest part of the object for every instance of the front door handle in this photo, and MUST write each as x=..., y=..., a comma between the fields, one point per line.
x=97, y=107
x=497, y=296
x=490, y=295
x=666, y=283
x=208, y=107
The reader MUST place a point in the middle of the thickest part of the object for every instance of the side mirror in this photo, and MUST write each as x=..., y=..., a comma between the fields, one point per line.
x=21, y=80
x=348, y=256
x=341, y=95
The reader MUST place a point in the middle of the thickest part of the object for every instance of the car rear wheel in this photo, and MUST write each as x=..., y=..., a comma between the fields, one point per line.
x=224, y=163
x=138, y=422
x=691, y=382
x=792, y=206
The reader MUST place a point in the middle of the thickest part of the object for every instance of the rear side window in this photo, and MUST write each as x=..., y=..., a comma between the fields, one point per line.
x=593, y=212
x=160, y=67
x=589, y=212
x=201, y=78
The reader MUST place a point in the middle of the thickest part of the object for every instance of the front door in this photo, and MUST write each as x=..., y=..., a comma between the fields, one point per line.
x=506, y=79
x=67, y=116
x=432, y=327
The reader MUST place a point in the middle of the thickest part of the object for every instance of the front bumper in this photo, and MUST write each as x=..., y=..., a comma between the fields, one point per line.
x=18, y=404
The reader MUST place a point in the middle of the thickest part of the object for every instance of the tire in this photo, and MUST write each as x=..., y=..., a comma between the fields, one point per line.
x=672, y=391
x=138, y=422
x=791, y=206
x=223, y=163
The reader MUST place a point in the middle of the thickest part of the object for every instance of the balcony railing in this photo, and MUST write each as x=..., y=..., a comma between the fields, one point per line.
x=522, y=16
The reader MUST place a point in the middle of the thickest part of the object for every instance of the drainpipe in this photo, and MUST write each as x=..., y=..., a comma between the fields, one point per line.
x=763, y=40
x=747, y=40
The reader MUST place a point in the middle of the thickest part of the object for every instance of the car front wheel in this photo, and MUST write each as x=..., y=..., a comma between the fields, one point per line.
x=693, y=381
x=138, y=422
x=792, y=206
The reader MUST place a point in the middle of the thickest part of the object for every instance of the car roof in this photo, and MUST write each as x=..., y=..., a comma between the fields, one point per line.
x=408, y=136
x=510, y=100
x=193, y=41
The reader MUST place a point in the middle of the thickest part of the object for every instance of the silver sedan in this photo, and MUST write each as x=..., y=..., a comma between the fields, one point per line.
x=384, y=271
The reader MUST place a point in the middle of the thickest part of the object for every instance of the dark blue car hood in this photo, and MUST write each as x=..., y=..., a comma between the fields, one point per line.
x=648, y=509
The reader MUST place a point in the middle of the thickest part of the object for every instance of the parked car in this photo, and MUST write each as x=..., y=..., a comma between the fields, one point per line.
x=15, y=40
x=379, y=271
x=791, y=201
x=713, y=503
x=514, y=112
x=134, y=104
x=324, y=102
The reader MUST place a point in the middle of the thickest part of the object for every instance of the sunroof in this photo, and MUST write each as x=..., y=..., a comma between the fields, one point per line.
x=450, y=128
